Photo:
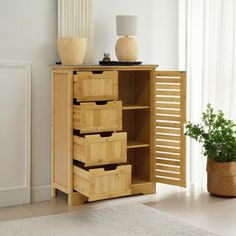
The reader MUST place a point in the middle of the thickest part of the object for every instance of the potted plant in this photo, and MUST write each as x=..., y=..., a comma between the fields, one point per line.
x=218, y=138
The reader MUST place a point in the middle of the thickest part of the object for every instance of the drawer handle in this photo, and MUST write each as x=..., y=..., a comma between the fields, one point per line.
x=97, y=72
x=101, y=103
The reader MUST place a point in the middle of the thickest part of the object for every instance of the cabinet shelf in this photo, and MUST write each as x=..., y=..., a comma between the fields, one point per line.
x=134, y=107
x=136, y=144
x=141, y=185
x=136, y=181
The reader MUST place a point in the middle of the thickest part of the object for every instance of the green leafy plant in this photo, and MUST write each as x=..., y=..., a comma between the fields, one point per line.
x=216, y=134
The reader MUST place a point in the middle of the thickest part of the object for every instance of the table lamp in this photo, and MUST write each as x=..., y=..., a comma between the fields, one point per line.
x=126, y=45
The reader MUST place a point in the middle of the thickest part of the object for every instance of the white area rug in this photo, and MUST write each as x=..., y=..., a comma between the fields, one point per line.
x=132, y=220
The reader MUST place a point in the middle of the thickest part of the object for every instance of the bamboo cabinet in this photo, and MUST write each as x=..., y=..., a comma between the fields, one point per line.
x=116, y=130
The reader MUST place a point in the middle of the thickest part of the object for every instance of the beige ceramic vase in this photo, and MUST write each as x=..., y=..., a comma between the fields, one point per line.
x=221, y=178
x=72, y=50
x=127, y=49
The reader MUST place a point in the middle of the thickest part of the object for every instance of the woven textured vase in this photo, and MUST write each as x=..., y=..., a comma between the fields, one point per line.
x=127, y=49
x=221, y=178
x=72, y=50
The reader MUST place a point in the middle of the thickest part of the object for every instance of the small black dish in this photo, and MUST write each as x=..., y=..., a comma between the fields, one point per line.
x=119, y=63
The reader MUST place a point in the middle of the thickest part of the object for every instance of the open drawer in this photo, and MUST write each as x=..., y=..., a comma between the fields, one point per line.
x=94, y=86
x=95, y=149
x=99, y=183
x=90, y=117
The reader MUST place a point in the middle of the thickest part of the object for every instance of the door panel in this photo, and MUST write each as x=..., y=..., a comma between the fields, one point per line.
x=170, y=112
x=15, y=123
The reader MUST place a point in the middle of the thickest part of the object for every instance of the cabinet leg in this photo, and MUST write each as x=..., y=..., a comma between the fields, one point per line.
x=147, y=188
x=76, y=199
x=53, y=192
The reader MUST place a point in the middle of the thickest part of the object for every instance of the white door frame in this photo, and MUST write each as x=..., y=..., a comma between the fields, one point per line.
x=15, y=195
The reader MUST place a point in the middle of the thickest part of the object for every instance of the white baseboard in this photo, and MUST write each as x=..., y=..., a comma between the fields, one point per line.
x=14, y=196
x=40, y=193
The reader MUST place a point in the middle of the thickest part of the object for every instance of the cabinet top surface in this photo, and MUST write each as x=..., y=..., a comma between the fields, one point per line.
x=98, y=67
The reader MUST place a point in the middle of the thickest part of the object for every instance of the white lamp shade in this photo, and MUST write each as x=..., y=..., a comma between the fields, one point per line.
x=126, y=25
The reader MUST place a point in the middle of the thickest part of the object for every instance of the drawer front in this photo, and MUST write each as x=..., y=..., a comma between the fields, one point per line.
x=91, y=118
x=96, y=87
x=95, y=150
x=99, y=184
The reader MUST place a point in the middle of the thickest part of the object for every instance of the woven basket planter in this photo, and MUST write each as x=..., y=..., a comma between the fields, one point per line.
x=221, y=178
x=72, y=50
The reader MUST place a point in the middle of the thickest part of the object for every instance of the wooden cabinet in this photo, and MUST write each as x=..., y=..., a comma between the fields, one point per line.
x=116, y=131
x=170, y=119
x=96, y=85
x=94, y=150
x=100, y=183
x=90, y=117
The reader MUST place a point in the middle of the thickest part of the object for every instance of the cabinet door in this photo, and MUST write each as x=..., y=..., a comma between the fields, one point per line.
x=170, y=118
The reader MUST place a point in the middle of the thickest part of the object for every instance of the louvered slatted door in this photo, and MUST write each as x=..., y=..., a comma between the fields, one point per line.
x=170, y=111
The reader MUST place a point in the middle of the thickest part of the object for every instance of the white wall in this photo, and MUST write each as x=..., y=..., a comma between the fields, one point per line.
x=28, y=31
x=164, y=34
x=105, y=12
x=157, y=29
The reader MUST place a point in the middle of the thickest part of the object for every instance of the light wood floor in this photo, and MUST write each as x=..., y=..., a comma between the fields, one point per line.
x=193, y=205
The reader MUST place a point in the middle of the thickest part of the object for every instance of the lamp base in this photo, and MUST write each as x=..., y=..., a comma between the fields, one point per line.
x=127, y=49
